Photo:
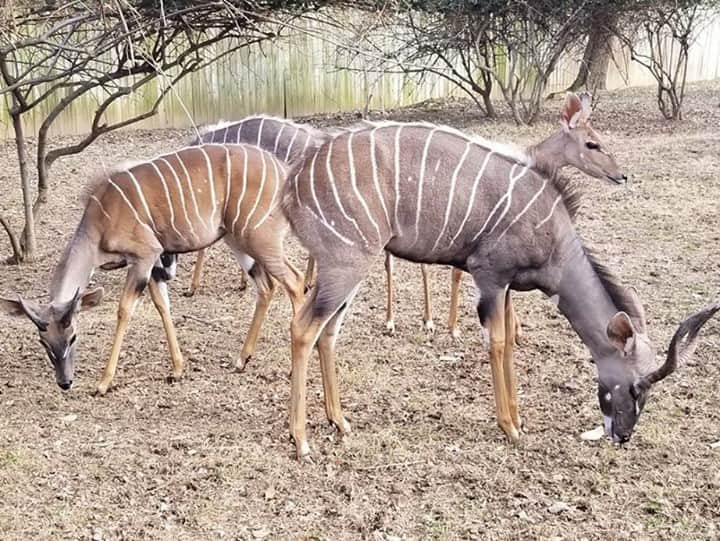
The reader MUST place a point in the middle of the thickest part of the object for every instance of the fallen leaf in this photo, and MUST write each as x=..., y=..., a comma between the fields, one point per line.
x=559, y=507
x=69, y=418
x=593, y=435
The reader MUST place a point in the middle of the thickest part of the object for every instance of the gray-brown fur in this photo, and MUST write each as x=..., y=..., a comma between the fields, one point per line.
x=432, y=195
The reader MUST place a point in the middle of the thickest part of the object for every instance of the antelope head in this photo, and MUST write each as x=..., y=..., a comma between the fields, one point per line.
x=582, y=146
x=623, y=391
x=56, y=324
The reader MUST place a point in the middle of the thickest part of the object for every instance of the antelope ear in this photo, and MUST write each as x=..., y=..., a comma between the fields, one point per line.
x=90, y=299
x=23, y=308
x=621, y=333
x=571, y=111
x=586, y=102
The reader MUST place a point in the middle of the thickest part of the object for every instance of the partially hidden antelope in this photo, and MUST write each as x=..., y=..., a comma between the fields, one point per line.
x=431, y=194
x=138, y=216
x=281, y=137
x=285, y=139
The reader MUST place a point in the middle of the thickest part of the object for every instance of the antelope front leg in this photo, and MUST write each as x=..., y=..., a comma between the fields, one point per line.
x=508, y=361
x=389, y=320
x=427, y=314
x=495, y=324
x=159, y=295
x=309, y=273
x=197, y=272
x=455, y=283
x=128, y=301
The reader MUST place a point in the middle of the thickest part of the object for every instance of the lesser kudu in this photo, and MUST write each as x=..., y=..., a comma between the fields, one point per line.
x=285, y=138
x=431, y=194
x=176, y=203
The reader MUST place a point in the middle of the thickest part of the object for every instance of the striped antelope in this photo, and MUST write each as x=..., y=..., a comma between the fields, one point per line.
x=285, y=139
x=430, y=194
x=176, y=203
x=281, y=137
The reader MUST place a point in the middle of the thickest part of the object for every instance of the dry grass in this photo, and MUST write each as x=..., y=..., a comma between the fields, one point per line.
x=209, y=457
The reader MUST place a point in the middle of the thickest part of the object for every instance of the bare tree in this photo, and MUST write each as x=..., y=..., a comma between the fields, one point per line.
x=112, y=49
x=659, y=36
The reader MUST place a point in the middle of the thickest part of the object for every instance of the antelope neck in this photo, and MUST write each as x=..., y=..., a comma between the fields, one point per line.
x=585, y=301
x=75, y=267
x=548, y=156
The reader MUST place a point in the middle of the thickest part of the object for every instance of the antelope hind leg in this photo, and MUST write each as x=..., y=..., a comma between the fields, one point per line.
x=197, y=272
x=427, y=314
x=456, y=280
x=265, y=289
x=389, y=317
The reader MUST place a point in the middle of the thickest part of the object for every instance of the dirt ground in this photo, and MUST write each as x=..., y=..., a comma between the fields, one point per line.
x=209, y=457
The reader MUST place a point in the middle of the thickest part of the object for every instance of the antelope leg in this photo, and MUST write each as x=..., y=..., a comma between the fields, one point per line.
x=508, y=361
x=197, y=272
x=389, y=319
x=159, y=296
x=427, y=314
x=265, y=287
x=456, y=280
x=134, y=285
x=495, y=324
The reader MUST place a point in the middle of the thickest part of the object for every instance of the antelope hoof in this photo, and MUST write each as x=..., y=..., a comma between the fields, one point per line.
x=513, y=434
x=190, y=292
x=342, y=426
x=242, y=364
x=102, y=388
x=303, y=452
x=429, y=326
x=390, y=326
x=175, y=376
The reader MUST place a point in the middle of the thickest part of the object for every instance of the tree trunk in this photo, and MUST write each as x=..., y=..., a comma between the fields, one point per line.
x=28, y=240
x=592, y=74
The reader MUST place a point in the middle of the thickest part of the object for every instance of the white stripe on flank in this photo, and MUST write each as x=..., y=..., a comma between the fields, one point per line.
x=271, y=205
x=524, y=210
x=182, y=196
x=353, y=182
x=451, y=195
x=292, y=140
x=169, y=201
x=142, y=199
x=260, y=130
x=373, y=161
x=331, y=179
x=511, y=185
x=420, y=183
x=211, y=181
x=226, y=134
x=508, y=197
x=129, y=204
x=397, y=175
x=552, y=211
x=244, y=185
x=312, y=187
x=472, y=197
x=307, y=142
x=277, y=138
x=228, y=181
x=259, y=193
x=101, y=206
x=190, y=187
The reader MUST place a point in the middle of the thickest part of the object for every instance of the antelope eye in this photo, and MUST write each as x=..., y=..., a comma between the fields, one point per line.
x=72, y=339
x=592, y=145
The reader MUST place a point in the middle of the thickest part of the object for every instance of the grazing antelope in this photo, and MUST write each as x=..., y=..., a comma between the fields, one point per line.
x=552, y=153
x=282, y=137
x=285, y=139
x=176, y=203
x=431, y=194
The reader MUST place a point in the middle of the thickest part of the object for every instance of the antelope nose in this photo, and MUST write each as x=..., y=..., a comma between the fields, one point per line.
x=65, y=385
x=623, y=438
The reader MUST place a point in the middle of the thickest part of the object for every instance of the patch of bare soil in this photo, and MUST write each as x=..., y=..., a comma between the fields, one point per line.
x=209, y=457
